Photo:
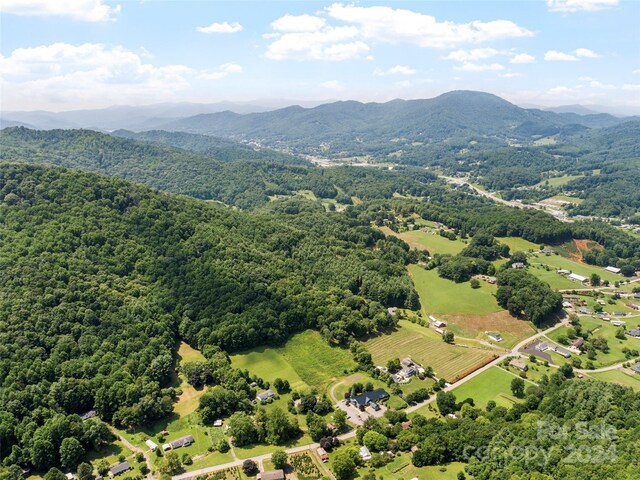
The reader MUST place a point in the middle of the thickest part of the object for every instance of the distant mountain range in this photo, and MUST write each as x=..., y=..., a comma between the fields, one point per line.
x=451, y=114
x=144, y=117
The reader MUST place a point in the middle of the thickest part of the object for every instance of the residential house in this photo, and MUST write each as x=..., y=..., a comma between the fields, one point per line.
x=585, y=310
x=562, y=271
x=217, y=423
x=567, y=305
x=367, y=398
x=620, y=314
x=322, y=455
x=69, y=476
x=519, y=364
x=492, y=280
x=636, y=367
x=365, y=453
x=517, y=265
x=266, y=395
x=181, y=442
x=439, y=323
x=635, y=306
x=496, y=337
x=151, y=444
x=271, y=475
x=120, y=468
x=635, y=333
x=618, y=323
x=578, y=343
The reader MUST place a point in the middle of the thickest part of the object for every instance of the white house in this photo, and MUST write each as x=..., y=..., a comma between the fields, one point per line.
x=365, y=453
x=152, y=445
x=577, y=278
x=612, y=269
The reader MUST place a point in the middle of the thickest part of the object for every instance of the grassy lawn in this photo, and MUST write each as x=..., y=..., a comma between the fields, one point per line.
x=559, y=181
x=566, y=198
x=187, y=402
x=492, y=384
x=517, y=244
x=620, y=376
x=441, y=296
x=306, y=360
x=549, y=275
x=448, y=361
x=535, y=372
x=431, y=242
x=402, y=468
x=111, y=453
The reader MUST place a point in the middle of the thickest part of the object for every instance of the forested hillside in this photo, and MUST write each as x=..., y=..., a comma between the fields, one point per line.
x=100, y=277
x=235, y=182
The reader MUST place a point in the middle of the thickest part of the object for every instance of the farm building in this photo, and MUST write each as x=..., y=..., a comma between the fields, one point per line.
x=120, y=468
x=266, y=395
x=496, y=337
x=152, y=445
x=271, y=475
x=636, y=367
x=562, y=271
x=392, y=310
x=492, y=280
x=439, y=323
x=519, y=364
x=370, y=398
x=635, y=333
x=612, y=269
x=365, y=453
x=322, y=455
x=217, y=423
x=577, y=278
x=517, y=265
x=180, y=442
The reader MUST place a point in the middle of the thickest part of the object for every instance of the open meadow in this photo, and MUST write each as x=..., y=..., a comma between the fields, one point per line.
x=306, y=360
x=492, y=384
x=432, y=242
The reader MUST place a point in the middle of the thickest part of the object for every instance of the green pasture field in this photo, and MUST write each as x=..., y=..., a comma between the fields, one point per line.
x=441, y=296
x=492, y=384
x=306, y=360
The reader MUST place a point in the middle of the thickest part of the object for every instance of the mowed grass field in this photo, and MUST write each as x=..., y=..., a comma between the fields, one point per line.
x=410, y=340
x=492, y=384
x=619, y=376
x=306, y=360
x=188, y=402
x=441, y=296
x=432, y=242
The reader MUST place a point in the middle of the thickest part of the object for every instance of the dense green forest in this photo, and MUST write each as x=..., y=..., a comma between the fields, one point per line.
x=100, y=276
x=563, y=429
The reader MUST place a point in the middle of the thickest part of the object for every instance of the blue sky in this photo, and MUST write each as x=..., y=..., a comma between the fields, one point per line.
x=69, y=54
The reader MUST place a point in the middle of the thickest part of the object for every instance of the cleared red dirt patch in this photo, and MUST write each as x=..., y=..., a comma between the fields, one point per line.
x=583, y=246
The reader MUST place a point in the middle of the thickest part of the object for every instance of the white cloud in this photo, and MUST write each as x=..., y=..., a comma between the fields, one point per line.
x=580, y=5
x=636, y=71
x=397, y=70
x=586, y=53
x=312, y=37
x=511, y=75
x=298, y=23
x=559, y=90
x=631, y=87
x=85, y=10
x=332, y=85
x=479, y=67
x=224, y=27
x=330, y=43
x=391, y=25
x=555, y=56
x=223, y=71
x=576, y=55
x=522, y=58
x=472, y=55
x=88, y=74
